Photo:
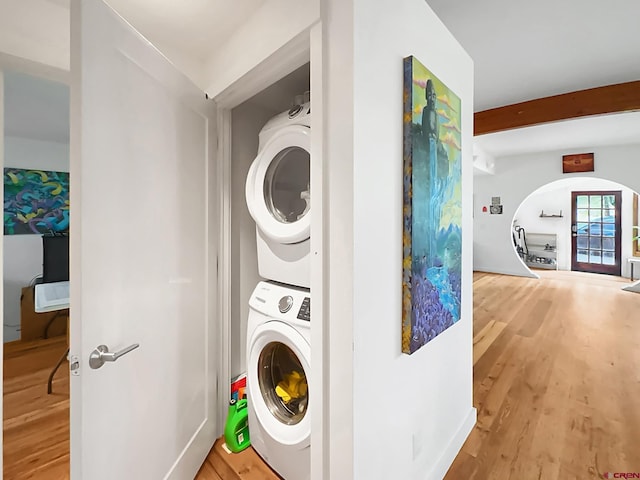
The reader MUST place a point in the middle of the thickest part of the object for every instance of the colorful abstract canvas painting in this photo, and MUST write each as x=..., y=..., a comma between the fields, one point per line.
x=35, y=201
x=432, y=236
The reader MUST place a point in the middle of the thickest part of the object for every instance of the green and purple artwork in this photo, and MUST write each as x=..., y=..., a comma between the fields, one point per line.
x=35, y=201
x=432, y=236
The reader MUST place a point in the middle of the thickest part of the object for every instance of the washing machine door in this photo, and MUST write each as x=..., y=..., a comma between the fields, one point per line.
x=278, y=366
x=277, y=187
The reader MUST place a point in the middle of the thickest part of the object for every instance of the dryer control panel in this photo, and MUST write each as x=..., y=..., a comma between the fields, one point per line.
x=305, y=310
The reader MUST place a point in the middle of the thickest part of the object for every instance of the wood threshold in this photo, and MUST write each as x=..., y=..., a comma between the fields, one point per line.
x=621, y=97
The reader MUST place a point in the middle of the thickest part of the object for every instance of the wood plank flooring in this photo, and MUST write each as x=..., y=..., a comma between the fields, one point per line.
x=556, y=379
x=223, y=465
x=556, y=385
x=36, y=425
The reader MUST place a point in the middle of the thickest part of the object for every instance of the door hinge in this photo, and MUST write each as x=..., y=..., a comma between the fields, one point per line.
x=74, y=365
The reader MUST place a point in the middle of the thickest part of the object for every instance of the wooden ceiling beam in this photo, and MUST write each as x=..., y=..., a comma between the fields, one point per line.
x=622, y=97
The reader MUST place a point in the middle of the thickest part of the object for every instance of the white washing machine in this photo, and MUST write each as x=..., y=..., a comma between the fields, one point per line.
x=278, y=363
x=278, y=195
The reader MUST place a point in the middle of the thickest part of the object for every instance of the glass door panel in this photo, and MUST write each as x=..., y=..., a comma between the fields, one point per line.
x=596, y=232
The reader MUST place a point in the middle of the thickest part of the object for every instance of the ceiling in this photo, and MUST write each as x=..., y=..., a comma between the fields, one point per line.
x=580, y=133
x=526, y=50
x=521, y=51
x=189, y=28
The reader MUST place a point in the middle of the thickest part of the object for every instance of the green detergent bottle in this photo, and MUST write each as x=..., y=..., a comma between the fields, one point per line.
x=236, y=431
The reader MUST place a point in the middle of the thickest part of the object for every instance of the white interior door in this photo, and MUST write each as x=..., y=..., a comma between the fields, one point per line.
x=143, y=243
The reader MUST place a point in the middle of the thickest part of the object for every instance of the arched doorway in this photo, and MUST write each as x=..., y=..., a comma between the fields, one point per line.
x=580, y=224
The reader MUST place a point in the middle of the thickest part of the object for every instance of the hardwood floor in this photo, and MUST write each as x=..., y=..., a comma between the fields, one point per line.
x=221, y=464
x=556, y=385
x=556, y=379
x=36, y=425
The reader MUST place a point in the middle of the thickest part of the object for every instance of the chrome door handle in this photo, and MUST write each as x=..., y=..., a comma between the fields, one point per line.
x=102, y=354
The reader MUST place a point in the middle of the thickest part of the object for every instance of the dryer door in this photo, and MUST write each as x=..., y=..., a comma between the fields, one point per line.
x=277, y=187
x=278, y=366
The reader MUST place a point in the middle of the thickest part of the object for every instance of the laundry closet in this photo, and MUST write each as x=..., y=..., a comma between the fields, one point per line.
x=270, y=311
x=247, y=119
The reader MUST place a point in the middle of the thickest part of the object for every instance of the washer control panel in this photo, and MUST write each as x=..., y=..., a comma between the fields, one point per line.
x=281, y=302
x=305, y=310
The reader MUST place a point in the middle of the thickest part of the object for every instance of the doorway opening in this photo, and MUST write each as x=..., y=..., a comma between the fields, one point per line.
x=596, y=234
x=576, y=224
x=35, y=141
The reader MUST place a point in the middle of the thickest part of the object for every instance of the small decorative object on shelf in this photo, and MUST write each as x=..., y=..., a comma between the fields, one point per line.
x=552, y=215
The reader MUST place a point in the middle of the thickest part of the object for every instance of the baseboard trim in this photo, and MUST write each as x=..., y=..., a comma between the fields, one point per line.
x=441, y=467
x=500, y=271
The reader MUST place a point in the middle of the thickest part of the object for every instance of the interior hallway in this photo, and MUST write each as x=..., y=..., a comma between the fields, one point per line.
x=556, y=385
x=556, y=378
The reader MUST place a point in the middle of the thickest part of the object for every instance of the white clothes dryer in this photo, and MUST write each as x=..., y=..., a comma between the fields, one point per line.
x=278, y=195
x=278, y=363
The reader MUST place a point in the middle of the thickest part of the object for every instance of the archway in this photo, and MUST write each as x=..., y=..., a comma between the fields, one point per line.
x=542, y=223
x=515, y=178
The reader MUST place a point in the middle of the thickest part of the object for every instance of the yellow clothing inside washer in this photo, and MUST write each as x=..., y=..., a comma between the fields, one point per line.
x=292, y=386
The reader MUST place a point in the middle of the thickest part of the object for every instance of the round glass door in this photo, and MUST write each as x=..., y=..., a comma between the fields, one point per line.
x=283, y=383
x=286, y=185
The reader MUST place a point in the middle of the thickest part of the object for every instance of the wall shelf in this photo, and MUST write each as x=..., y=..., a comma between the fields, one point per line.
x=551, y=215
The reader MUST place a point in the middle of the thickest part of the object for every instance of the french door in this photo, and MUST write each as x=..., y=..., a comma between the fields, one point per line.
x=595, y=225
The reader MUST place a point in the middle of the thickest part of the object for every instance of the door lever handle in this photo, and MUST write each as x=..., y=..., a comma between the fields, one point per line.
x=102, y=354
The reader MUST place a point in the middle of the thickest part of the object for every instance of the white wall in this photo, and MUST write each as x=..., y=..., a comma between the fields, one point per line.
x=23, y=253
x=516, y=178
x=247, y=120
x=411, y=413
x=556, y=197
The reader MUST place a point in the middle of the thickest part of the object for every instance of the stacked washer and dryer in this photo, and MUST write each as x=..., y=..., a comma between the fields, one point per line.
x=278, y=329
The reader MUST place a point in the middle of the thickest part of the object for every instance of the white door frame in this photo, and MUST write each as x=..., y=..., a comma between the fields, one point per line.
x=2, y=259
x=305, y=47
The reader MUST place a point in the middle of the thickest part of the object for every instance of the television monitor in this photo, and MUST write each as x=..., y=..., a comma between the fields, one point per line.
x=55, y=258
